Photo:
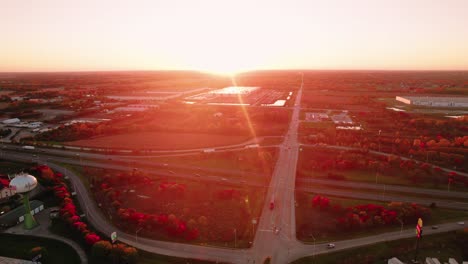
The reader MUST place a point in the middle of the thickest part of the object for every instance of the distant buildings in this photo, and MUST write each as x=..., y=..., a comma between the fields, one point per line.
x=339, y=119
x=316, y=117
x=11, y=121
x=5, y=190
x=434, y=101
x=16, y=122
x=235, y=90
x=342, y=118
x=136, y=108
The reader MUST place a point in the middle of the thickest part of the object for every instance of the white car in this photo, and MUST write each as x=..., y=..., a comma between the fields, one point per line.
x=277, y=230
x=461, y=223
x=331, y=245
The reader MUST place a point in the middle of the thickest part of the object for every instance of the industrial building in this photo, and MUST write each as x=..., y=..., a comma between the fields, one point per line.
x=235, y=90
x=316, y=117
x=434, y=101
x=16, y=215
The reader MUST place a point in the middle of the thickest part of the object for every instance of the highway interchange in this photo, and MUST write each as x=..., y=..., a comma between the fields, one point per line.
x=281, y=247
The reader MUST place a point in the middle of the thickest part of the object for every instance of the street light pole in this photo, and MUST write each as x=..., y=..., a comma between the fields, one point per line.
x=380, y=131
x=314, y=245
x=235, y=238
x=401, y=230
x=136, y=233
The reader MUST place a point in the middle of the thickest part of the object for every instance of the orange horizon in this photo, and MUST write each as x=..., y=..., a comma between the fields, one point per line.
x=227, y=37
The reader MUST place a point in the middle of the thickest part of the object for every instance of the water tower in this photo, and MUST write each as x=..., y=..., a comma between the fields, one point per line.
x=23, y=183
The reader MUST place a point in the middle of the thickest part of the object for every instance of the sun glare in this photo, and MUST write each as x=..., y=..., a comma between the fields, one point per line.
x=223, y=68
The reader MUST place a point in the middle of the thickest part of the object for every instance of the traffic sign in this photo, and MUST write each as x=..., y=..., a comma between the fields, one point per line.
x=419, y=226
x=114, y=237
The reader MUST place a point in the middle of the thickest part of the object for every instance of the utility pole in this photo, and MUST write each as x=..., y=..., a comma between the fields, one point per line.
x=380, y=131
x=235, y=238
x=136, y=233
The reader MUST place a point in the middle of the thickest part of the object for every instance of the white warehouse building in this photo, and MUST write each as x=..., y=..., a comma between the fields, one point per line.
x=434, y=101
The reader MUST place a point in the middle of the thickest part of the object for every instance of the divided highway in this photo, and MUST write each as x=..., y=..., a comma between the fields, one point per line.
x=275, y=238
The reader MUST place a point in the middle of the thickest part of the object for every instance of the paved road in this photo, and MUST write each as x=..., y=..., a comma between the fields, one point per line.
x=269, y=243
x=385, y=187
x=282, y=246
x=125, y=162
x=286, y=248
x=85, y=152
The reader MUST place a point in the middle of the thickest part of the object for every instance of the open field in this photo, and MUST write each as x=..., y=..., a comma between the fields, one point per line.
x=211, y=213
x=160, y=140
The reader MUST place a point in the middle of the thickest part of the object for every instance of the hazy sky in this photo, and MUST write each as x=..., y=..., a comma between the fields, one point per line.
x=223, y=36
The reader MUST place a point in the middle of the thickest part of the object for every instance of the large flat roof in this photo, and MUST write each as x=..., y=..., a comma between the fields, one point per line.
x=235, y=90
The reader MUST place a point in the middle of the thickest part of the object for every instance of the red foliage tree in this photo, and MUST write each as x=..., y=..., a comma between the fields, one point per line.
x=92, y=238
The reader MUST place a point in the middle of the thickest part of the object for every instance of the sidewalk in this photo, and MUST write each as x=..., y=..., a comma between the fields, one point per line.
x=42, y=230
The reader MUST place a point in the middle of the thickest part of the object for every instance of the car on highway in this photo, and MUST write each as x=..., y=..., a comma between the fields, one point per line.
x=197, y=175
x=461, y=223
x=330, y=245
x=171, y=172
x=277, y=230
x=243, y=181
x=223, y=179
x=435, y=227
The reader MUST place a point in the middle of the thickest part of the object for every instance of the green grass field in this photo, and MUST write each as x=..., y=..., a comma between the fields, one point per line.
x=18, y=246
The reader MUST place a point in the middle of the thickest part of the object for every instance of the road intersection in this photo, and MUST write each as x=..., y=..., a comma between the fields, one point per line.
x=275, y=238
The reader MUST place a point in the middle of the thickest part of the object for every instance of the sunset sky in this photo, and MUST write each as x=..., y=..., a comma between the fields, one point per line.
x=231, y=36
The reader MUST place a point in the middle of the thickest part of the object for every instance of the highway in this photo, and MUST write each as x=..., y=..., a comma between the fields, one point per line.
x=99, y=152
x=268, y=243
x=357, y=186
x=281, y=246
